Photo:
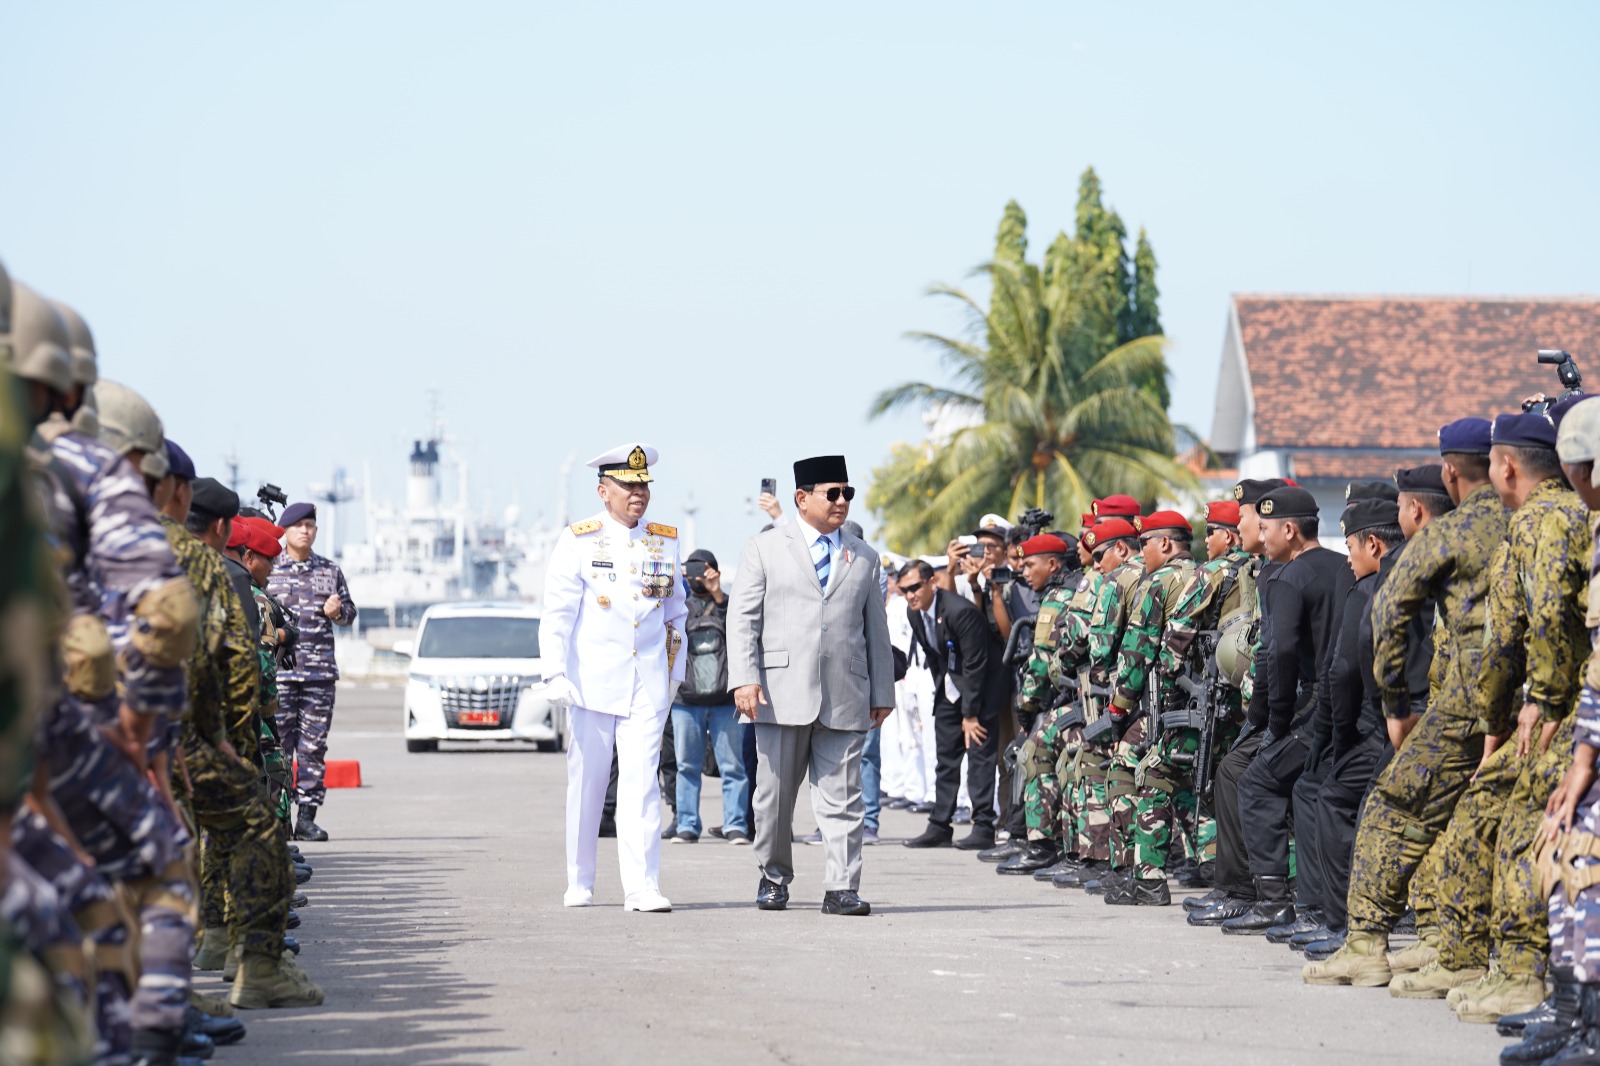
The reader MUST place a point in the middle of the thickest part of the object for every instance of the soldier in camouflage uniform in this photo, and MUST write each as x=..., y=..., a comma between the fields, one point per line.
x=244, y=848
x=313, y=587
x=1220, y=600
x=1092, y=810
x=257, y=550
x=1448, y=563
x=1535, y=643
x=1156, y=757
x=1044, y=569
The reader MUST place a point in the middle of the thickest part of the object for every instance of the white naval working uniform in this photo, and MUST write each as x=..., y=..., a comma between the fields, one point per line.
x=604, y=631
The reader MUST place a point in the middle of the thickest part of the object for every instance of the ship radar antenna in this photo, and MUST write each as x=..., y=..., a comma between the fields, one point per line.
x=335, y=494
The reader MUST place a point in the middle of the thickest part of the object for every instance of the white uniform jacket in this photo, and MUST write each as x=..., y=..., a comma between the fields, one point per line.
x=601, y=626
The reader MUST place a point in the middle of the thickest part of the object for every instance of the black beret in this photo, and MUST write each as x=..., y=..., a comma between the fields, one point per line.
x=1287, y=501
x=1251, y=490
x=821, y=470
x=297, y=512
x=1367, y=513
x=1428, y=478
x=214, y=499
x=1370, y=490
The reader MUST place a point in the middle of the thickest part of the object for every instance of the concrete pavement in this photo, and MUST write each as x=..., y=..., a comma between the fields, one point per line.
x=437, y=931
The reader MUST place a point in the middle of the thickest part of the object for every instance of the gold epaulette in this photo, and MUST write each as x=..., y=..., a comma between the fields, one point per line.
x=581, y=528
x=658, y=530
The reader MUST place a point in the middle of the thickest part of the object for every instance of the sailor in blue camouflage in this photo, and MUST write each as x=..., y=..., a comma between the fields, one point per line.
x=313, y=588
x=134, y=625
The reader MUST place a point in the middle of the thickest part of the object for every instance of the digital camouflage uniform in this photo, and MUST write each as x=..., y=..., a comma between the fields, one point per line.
x=1142, y=822
x=305, y=691
x=246, y=858
x=1536, y=641
x=1448, y=562
x=1099, y=788
x=120, y=570
x=277, y=773
x=1036, y=760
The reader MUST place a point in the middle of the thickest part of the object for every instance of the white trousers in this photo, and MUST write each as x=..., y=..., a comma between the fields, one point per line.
x=904, y=729
x=636, y=738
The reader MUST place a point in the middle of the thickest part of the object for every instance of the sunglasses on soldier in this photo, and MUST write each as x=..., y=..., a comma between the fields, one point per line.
x=833, y=494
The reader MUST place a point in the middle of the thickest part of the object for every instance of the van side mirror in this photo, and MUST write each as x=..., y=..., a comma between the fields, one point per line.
x=407, y=648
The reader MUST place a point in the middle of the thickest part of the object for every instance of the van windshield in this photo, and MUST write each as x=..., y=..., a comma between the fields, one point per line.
x=480, y=638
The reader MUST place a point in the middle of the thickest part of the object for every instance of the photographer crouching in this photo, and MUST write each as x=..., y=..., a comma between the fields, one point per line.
x=704, y=705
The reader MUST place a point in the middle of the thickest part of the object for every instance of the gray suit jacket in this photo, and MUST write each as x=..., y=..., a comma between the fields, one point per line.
x=819, y=657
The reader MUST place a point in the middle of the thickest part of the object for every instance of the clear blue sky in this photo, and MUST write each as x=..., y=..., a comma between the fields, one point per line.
x=707, y=226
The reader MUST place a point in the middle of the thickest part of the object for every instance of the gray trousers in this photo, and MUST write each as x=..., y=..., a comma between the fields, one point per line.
x=785, y=754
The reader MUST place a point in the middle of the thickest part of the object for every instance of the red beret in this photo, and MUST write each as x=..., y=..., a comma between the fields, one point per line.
x=1119, y=506
x=1087, y=521
x=1223, y=513
x=1160, y=520
x=1109, y=529
x=239, y=533
x=1044, y=544
x=258, y=537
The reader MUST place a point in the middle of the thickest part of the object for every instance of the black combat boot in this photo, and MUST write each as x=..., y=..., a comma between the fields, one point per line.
x=1307, y=919
x=1200, y=903
x=1200, y=875
x=1038, y=855
x=1542, y=1040
x=1107, y=881
x=1225, y=909
x=1140, y=892
x=156, y=1047
x=1272, y=907
x=1063, y=865
x=1003, y=851
x=306, y=827
x=1084, y=873
x=1583, y=1045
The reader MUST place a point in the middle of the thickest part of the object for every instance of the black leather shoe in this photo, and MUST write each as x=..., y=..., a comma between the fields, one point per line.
x=977, y=840
x=306, y=827
x=845, y=902
x=1060, y=866
x=291, y=945
x=1543, y=1036
x=921, y=808
x=1306, y=919
x=220, y=1030
x=1099, y=886
x=1301, y=941
x=1200, y=903
x=196, y=1045
x=1324, y=949
x=1140, y=892
x=1039, y=856
x=772, y=896
x=1089, y=871
x=1265, y=914
x=1225, y=909
x=1520, y=1024
x=1203, y=875
x=932, y=837
x=294, y=919
x=299, y=900
x=1002, y=852
x=302, y=873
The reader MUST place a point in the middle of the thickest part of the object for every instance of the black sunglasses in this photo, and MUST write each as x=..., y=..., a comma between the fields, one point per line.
x=833, y=494
x=909, y=589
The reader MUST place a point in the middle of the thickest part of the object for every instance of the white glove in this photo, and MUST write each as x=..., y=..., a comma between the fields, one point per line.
x=560, y=692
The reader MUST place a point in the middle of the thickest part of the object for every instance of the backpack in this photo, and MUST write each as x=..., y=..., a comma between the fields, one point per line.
x=705, y=679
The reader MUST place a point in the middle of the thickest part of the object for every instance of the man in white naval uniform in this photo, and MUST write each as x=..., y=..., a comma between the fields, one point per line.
x=610, y=641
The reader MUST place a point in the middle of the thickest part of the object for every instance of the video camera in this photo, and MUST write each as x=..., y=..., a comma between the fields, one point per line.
x=270, y=496
x=1035, y=520
x=1566, y=370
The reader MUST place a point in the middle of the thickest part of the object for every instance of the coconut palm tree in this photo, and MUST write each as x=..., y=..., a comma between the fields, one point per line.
x=1040, y=415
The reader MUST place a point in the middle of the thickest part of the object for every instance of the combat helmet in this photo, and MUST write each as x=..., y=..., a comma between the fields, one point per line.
x=128, y=423
x=85, y=367
x=38, y=347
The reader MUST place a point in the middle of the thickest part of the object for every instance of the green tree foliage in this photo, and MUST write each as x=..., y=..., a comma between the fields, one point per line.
x=1064, y=402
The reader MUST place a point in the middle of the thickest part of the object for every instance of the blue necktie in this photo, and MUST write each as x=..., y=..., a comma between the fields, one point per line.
x=822, y=559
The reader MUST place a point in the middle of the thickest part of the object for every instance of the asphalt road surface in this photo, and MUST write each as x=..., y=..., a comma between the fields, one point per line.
x=437, y=931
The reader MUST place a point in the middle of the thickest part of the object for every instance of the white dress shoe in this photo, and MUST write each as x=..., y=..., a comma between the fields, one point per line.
x=578, y=896
x=653, y=902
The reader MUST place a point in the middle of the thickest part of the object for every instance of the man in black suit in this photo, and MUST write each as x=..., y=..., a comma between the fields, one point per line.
x=954, y=638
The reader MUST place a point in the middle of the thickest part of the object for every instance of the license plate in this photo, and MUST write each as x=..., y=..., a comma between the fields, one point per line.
x=480, y=717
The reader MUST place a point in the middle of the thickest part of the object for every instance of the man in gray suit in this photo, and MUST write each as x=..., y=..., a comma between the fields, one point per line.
x=810, y=663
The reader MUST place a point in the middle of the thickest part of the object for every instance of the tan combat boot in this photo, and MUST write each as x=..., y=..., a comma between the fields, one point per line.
x=264, y=981
x=1515, y=993
x=230, y=969
x=213, y=953
x=1433, y=981
x=1480, y=987
x=1362, y=962
x=1418, y=955
x=216, y=1006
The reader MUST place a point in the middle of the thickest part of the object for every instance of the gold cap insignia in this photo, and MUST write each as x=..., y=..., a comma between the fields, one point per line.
x=1265, y=507
x=1138, y=524
x=1238, y=492
x=636, y=458
x=1089, y=538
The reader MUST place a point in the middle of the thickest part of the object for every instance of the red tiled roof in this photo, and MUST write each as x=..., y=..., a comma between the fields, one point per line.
x=1354, y=465
x=1386, y=372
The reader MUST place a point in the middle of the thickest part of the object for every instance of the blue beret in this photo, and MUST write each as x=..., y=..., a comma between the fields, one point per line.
x=297, y=512
x=1468, y=436
x=178, y=462
x=1527, y=429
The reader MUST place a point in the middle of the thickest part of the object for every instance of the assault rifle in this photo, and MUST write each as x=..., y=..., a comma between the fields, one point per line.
x=1202, y=704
